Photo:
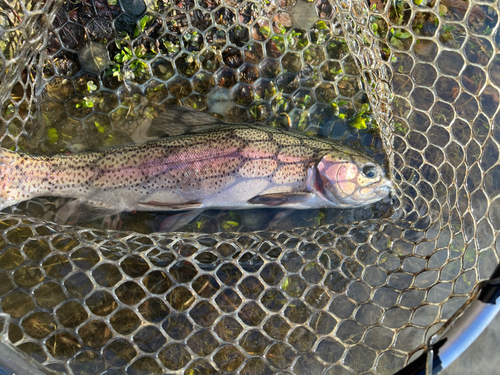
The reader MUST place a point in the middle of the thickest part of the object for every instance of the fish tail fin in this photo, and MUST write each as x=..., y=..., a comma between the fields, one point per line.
x=9, y=191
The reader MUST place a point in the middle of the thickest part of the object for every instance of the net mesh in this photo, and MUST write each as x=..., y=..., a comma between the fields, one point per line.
x=349, y=298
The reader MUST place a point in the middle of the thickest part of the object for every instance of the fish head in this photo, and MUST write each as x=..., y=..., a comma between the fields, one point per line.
x=351, y=180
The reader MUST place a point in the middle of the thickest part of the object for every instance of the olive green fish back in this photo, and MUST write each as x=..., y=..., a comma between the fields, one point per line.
x=335, y=299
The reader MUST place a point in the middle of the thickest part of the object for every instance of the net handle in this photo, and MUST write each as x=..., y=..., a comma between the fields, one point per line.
x=461, y=331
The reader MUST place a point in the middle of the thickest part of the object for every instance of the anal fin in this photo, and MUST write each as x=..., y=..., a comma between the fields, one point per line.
x=162, y=206
x=280, y=199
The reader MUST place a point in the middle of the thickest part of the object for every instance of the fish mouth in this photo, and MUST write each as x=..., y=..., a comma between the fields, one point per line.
x=384, y=187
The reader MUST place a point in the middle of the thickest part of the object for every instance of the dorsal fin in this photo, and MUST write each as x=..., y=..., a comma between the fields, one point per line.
x=175, y=120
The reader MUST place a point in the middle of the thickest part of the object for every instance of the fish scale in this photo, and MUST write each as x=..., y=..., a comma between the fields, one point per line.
x=230, y=166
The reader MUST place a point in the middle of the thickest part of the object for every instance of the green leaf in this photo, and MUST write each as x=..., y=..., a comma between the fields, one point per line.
x=359, y=122
x=401, y=34
x=254, y=111
x=365, y=107
x=140, y=51
x=91, y=86
x=396, y=43
x=286, y=283
x=302, y=122
x=149, y=112
x=99, y=127
x=124, y=55
x=265, y=30
x=143, y=21
x=226, y=225
x=157, y=88
x=320, y=218
x=448, y=28
x=322, y=25
x=52, y=135
x=335, y=109
x=142, y=24
x=86, y=103
x=399, y=127
x=10, y=109
x=172, y=48
x=110, y=70
x=112, y=2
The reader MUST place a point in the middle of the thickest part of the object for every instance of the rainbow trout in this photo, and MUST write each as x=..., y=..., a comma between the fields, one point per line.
x=218, y=166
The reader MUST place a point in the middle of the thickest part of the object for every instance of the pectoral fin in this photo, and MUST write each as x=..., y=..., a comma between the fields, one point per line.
x=163, y=206
x=280, y=199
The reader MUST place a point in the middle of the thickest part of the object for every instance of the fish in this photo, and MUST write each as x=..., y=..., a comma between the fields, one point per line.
x=212, y=165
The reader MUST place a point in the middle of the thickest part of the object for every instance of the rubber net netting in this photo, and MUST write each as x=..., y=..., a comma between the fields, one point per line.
x=360, y=294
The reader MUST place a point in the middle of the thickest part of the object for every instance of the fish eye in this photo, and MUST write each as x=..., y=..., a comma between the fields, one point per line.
x=369, y=171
